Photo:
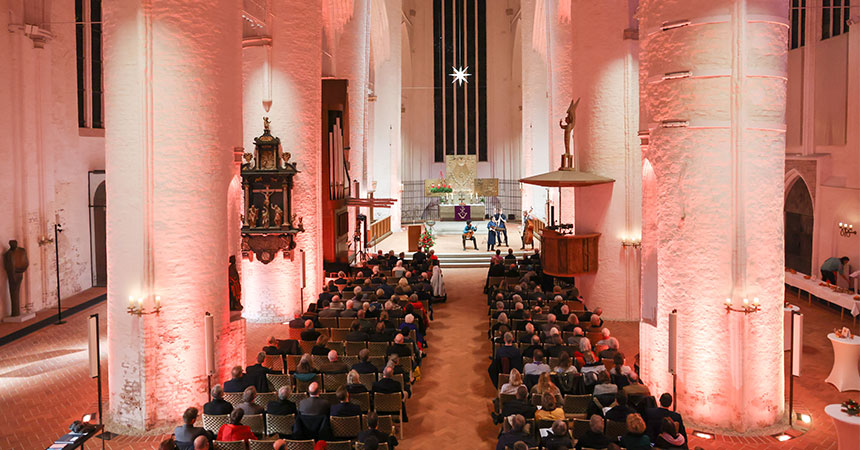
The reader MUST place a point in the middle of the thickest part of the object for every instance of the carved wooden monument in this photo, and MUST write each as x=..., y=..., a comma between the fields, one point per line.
x=268, y=223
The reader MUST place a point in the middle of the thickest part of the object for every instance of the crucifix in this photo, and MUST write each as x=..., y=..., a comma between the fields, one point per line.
x=264, y=211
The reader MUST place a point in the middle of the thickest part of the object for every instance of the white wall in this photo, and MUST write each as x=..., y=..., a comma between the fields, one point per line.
x=47, y=160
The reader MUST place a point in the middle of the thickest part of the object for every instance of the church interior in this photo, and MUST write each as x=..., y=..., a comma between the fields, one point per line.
x=425, y=224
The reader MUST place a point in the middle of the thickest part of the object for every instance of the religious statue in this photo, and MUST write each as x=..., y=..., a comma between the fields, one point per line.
x=567, y=124
x=15, y=262
x=249, y=161
x=264, y=216
x=235, y=286
x=278, y=213
x=285, y=159
x=293, y=220
x=252, y=216
x=300, y=226
x=266, y=124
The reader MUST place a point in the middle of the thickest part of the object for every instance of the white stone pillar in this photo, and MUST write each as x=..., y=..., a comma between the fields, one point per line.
x=535, y=154
x=273, y=292
x=562, y=89
x=716, y=97
x=173, y=105
x=606, y=144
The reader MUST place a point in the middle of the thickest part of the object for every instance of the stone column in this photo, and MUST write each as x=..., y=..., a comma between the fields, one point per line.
x=273, y=292
x=562, y=90
x=173, y=111
x=535, y=154
x=716, y=97
x=606, y=144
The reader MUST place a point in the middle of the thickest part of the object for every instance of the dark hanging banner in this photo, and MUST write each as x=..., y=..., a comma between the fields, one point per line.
x=460, y=107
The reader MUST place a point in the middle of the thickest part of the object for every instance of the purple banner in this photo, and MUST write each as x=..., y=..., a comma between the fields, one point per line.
x=462, y=212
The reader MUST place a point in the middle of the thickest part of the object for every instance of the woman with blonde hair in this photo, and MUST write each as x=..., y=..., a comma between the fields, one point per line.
x=398, y=270
x=515, y=380
x=545, y=386
x=354, y=384
x=549, y=409
x=305, y=370
x=635, y=439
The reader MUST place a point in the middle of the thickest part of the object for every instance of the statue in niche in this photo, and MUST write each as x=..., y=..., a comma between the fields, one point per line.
x=277, y=212
x=252, y=216
x=264, y=217
x=293, y=219
x=300, y=226
x=567, y=124
x=249, y=161
x=15, y=262
x=235, y=286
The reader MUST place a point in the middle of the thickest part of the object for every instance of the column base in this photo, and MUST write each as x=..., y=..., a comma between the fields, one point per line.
x=20, y=318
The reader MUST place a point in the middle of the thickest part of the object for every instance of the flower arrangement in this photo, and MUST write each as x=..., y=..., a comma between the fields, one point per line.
x=441, y=188
x=426, y=241
x=851, y=408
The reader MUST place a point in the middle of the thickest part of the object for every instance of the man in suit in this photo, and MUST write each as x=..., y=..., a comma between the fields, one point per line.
x=516, y=433
x=619, y=412
x=187, y=433
x=380, y=334
x=334, y=365
x=272, y=346
x=237, y=383
x=350, y=310
x=526, y=335
x=519, y=405
x=314, y=405
x=517, y=313
x=373, y=433
x=256, y=375
x=218, y=406
x=655, y=415
x=344, y=408
x=508, y=350
x=248, y=405
x=387, y=385
x=309, y=334
x=282, y=406
x=418, y=258
x=529, y=351
x=363, y=365
x=398, y=347
x=355, y=334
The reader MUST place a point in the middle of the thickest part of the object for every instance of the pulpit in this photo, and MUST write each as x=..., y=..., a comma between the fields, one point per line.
x=568, y=255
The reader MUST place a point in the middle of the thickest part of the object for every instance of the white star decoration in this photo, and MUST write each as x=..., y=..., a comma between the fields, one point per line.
x=460, y=75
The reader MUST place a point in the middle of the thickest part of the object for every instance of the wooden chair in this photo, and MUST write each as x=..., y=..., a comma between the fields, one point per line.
x=377, y=348
x=293, y=362
x=318, y=360
x=254, y=444
x=332, y=381
x=348, y=359
x=362, y=400
x=594, y=337
x=580, y=427
x=345, y=427
x=328, y=322
x=263, y=398
x=339, y=334
x=504, y=398
x=345, y=322
x=353, y=347
x=576, y=406
x=613, y=430
x=338, y=445
x=367, y=379
x=360, y=445
x=302, y=386
x=213, y=423
x=300, y=445
x=503, y=378
x=277, y=381
x=296, y=397
x=378, y=361
x=495, y=281
x=330, y=397
x=389, y=404
x=230, y=445
x=233, y=397
x=280, y=425
x=406, y=363
x=255, y=422
x=337, y=346
x=306, y=346
x=385, y=423
x=608, y=363
x=274, y=362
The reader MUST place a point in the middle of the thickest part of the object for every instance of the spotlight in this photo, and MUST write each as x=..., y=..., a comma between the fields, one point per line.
x=805, y=418
x=703, y=435
x=782, y=437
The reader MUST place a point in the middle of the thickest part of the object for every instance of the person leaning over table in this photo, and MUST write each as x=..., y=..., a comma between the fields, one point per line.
x=833, y=265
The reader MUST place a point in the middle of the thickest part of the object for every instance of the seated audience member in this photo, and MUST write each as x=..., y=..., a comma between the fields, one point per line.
x=610, y=350
x=350, y=310
x=557, y=346
x=549, y=410
x=517, y=313
x=655, y=416
x=595, y=322
x=621, y=410
x=271, y=347
x=510, y=257
x=585, y=354
x=387, y=384
x=594, y=437
x=515, y=380
x=237, y=383
x=408, y=325
x=201, y=443
x=187, y=433
x=353, y=382
x=248, y=405
x=669, y=437
x=363, y=365
x=604, y=385
x=355, y=334
x=297, y=322
x=514, y=432
x=636, y=388
x=319, y=348
x=344, y=408
x=336, y=304
x=496, y=270
x=334, y=365
x=281, y=406
x=571, y=324
x=372, y=432
x=537, y=366
x=341, y=279
x=578, y=335
x=380, y=334
x=559, y=437
x=619, y=368
x=529, y=332
x=545, y=386
x=398, y=271
x=256, y=375
x=501, y=326
x=519, y=405
x=218, y=406
x=314, y=405
x=509, y=351
x=167, y=444
x=304, y=369
x=398, y=347
x=235, y=431
x=565, y=364
x=635, y=438
x=512, y=271
x=538, y=313
x=310, y=334
x=497, y=258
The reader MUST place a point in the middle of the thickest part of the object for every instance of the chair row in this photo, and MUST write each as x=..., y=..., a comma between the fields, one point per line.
x=282, y=425
x=254, y=444
x=276, y=362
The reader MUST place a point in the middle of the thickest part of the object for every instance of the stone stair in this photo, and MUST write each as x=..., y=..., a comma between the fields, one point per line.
x=472, y=258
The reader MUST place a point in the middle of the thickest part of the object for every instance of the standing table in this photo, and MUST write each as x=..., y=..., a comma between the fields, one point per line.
x=846, y=354
x=847, y=427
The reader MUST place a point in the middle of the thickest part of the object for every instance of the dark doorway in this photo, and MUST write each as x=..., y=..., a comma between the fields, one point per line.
x=798, y=228
x=99, y=235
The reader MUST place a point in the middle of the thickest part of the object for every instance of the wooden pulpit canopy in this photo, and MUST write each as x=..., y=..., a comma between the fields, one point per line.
x=568, y=255
x=566, y=178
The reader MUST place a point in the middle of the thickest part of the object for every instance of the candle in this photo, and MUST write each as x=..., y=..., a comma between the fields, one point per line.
x=157, y=301
x=140, y=303
x=131, y=301
x=728, y=302
x=755, y=301
x=746, y=302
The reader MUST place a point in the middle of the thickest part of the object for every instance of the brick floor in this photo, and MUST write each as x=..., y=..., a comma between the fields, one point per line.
x=44, y=382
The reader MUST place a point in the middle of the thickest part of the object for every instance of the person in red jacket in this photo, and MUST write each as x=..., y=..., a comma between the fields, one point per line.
x=235, y=431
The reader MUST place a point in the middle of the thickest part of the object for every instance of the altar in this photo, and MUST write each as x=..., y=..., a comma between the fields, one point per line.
x=462, y=212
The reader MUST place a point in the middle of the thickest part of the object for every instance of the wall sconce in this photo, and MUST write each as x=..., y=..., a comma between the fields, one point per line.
x=631, y=242
x=135, y=306
x=746, y=308
x=846, y=229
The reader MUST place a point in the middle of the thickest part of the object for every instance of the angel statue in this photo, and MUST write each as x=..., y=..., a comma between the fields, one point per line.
x=567, y=124
x=266, y=124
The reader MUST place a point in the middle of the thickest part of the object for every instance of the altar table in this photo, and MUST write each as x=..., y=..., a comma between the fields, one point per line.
x=847, y=427
x=449, y=212
x=846, y=354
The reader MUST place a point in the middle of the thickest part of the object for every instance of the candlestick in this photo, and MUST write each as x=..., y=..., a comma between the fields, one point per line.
x=131, y=301
x=157, y=301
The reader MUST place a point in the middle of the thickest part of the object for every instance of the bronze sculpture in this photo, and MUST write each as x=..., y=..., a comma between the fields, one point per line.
x=15, y=262
x=567, y=124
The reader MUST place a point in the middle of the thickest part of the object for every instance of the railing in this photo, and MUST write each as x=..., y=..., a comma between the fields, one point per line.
x=378, y=231
x=539, y=226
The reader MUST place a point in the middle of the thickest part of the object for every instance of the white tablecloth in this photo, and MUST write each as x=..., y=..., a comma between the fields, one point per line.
x=786, y=331
x=847, y=427
x=844, y=300
x=846, y=354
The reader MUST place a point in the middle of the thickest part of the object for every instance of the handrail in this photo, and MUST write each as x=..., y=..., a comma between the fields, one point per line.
x=378, y=231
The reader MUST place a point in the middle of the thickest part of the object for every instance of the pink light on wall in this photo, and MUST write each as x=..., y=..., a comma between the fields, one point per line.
x=336, y=14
